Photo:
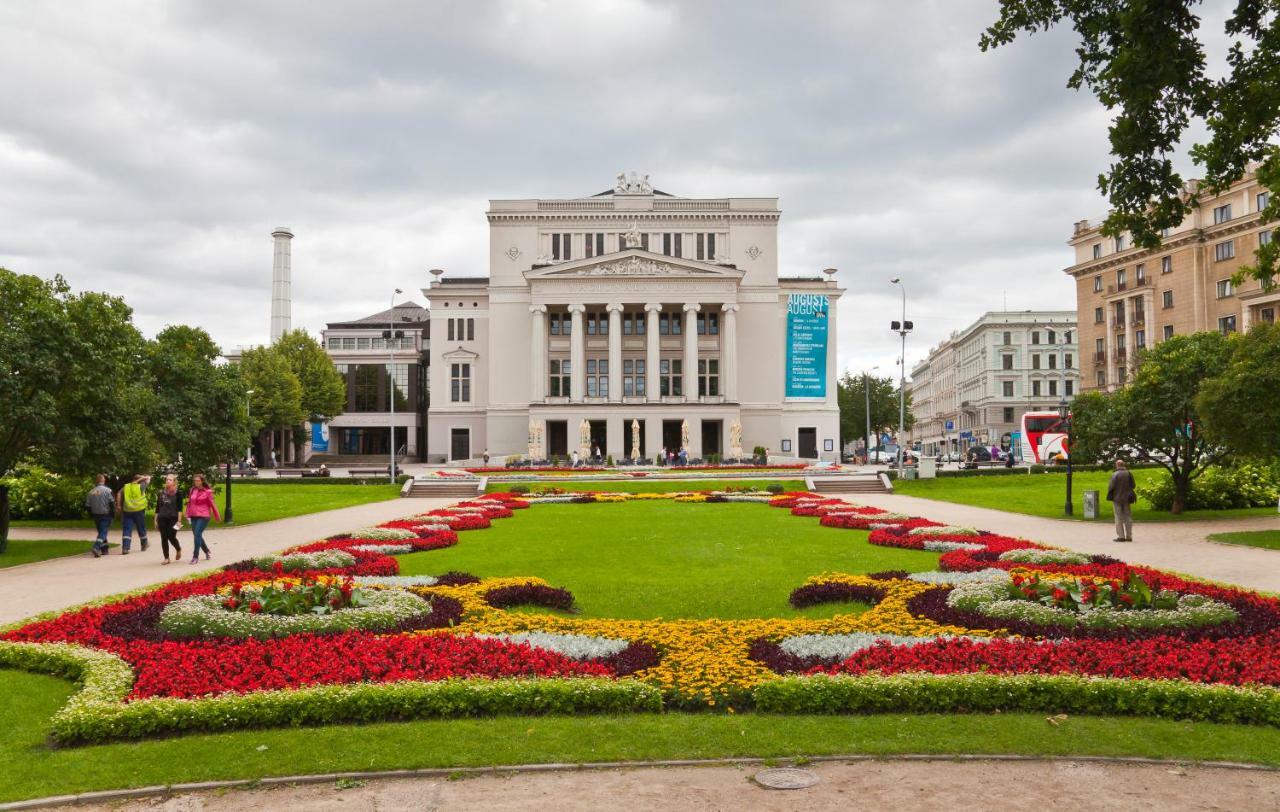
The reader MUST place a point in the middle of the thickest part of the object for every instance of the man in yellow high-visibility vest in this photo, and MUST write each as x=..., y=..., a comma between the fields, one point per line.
x=132, y=503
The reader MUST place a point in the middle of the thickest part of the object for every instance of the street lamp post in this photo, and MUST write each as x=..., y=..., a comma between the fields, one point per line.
x=902, y=328
x=391, y=377
x=1064, y=411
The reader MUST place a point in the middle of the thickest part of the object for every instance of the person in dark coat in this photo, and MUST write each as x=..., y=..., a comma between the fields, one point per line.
x=1121, y=494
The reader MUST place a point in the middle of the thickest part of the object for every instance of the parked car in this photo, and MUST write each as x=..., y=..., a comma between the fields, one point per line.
x=976, y=455
x=882, y=457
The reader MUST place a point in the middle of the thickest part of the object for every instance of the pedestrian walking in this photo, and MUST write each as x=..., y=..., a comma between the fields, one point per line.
x=200, y=506
x=169, y=517
x=132, y=503
x=101, y=505
x=1121, y=494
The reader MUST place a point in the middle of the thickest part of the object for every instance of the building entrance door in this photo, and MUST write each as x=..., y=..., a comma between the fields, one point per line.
x=808, y=443
x=557, y=438
x=460, y=444
x=671, y=436
x=711, y=438
x=599, y=430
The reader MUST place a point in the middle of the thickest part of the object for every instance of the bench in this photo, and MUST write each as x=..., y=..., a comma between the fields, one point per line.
x=291, y=471
x=247, y=472
x=362, y=472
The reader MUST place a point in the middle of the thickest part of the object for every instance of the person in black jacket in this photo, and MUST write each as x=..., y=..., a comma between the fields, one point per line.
x=1121, y=494
x=169, y=517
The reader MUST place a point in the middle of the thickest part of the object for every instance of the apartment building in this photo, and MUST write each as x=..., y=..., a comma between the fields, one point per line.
x=974, y=387
x=1129, y=298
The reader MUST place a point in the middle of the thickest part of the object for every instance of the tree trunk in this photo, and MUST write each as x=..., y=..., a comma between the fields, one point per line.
x=1181, y=487
x=4, y=518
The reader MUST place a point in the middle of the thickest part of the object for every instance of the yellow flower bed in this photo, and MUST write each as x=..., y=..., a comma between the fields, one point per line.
x=703, y=661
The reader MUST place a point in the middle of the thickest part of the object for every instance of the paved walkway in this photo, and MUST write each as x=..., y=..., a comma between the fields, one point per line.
x=61, y=582
x=1178, y=546
x=945, y=785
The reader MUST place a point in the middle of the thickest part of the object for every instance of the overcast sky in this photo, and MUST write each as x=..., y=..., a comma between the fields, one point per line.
x=148, y=149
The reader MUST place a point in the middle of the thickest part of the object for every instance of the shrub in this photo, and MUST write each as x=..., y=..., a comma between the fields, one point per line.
x=35, y=493
x=1220, y=488
x=774, y=487
x=522, y=489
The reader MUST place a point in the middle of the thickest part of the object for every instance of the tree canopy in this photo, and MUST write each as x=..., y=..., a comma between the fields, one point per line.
x=1240, y=405
x=277, y=393
x=324, y=392
x=1146, y=61
x=852, y=396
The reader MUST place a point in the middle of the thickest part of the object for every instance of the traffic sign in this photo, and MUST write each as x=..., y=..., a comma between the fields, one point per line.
x=951, y=425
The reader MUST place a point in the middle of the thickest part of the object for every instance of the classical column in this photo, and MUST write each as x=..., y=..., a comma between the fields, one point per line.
x=691, y=351
x=729, y=352
x=538, y=354
x=577, y=355
x=615, y=354
x=652, y=351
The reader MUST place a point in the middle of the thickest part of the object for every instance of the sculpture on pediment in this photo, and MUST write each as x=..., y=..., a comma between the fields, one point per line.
x=631, y=237
x=632, y=184
x=631, y=266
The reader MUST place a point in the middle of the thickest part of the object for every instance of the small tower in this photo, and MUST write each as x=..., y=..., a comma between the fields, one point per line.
x=281, y=286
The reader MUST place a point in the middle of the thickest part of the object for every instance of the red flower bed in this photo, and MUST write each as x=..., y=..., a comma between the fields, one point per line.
x=202, y=668
x=461, y=521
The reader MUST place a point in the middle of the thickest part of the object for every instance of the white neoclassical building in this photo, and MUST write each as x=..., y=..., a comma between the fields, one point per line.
x=632, y=312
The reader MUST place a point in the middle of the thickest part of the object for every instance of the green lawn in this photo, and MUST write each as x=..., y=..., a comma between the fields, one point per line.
x=27, y=552
x=1044, y=495
x=32, y=769
x=1267, y=539
x=253, y=502
x=642, y=560
x=651, y=485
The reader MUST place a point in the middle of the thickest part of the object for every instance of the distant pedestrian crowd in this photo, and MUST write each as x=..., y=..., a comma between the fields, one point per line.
x=174, y=507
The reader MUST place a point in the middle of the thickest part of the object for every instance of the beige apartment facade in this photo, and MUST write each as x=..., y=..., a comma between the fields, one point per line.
x=975, y=385
x=1131, y=298
x=629, y=309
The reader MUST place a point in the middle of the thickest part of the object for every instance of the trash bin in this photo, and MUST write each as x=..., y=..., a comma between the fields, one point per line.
x=910, y=472
x=1091, y=504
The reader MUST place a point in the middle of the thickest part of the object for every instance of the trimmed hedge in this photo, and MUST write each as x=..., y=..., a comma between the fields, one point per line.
x=1102, y=696
x=98, y=713
x=220, y=481
x=1035, y=469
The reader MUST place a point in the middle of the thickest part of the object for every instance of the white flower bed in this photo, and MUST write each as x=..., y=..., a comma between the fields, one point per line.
x=385, y=549
x=573, y=646
x=392, y=581
x=951, y=546
x=206, y=616
x=940, y=577
x=383, y=534
x=306, y=561
x=1033, y=556
x=991, y=599
x=550, y=500
x=843, y=646
x=945, y=530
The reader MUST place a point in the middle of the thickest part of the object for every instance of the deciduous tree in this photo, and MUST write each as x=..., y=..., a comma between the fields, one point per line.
x=851, y=394
x=1241, y=405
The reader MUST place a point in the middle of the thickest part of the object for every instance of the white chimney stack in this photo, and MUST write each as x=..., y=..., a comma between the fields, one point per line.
x=281, y=286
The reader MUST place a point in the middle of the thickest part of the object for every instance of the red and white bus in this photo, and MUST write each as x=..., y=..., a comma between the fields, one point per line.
x=1044, y=439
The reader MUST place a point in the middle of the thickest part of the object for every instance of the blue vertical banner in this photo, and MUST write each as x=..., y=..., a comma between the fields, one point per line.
x=319, y=438
x=807, y=345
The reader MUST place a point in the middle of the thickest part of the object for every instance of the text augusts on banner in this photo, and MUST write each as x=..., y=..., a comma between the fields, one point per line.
x=807, y=318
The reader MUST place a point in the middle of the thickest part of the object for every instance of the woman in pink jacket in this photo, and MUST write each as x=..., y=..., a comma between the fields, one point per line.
x=200, y=505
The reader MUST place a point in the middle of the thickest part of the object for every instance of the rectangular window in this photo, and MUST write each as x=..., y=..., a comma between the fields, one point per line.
x=1053, y=361
x=1006, y=387
x=708, y=324
x=1227, y=324
x=1053, y=388
x=1263, y=200
x=363, y=343
x=1122, y=374
x=1166, y=299
x=1035, y=361
x=1069, y=388
x=1006, y=362
x=1168, y=331
x=1097, y=284
x=1067, y=361
x=664, y=324
x=1035, y=389
x=335, y=343
x=1166, y=264
x=1052, y=337
x=1008, y=414
x=1035, y=336
x=1100, y=377
x=560, y=246
x=1140, y=339
x=594, y=244
x=471, y=329
x=1224, y=250
x=627, y=323
x=1267, y=315
x=451, y=329
x=670, y=377
x=1264, y=237
x=1225, y=288
x=1120, y=243
x=708, y=377
x=553, y=324
x=702, y=246
x=560, y=376
x=349, y=343
x=1097, y=250
x=460, y=383
x=633, y=378
x=1222, y=214
x=1140, y=271
x=1121, y=279
x=365, y=387
x=711, y=248
x=1066, y=337
x=591, y=324
x=1099, y=346
x=1098, y=318
x=1008, y=338
x=671, y=244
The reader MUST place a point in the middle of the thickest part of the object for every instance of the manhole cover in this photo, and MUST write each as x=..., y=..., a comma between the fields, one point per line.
x=785, y=778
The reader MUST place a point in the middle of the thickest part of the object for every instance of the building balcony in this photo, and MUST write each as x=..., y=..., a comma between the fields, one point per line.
x=1099, y=357
x=1119, y=326
x=1138, y=320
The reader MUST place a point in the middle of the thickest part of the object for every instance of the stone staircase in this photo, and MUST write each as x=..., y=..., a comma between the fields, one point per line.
x=849, y=484
x=441, y=488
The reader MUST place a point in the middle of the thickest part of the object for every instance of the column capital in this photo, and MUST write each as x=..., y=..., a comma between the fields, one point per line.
x=692, y=308
x=614, y=307
x=538, y=308
x=652, y=308
x=730, y=307
x=576, y=308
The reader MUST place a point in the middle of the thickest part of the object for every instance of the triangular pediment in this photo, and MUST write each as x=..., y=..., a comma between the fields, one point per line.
x=459, y=353
x=634, y=262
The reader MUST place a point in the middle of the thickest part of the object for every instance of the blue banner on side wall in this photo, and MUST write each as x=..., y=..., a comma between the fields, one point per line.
x=319, y=438
x=807, y=345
